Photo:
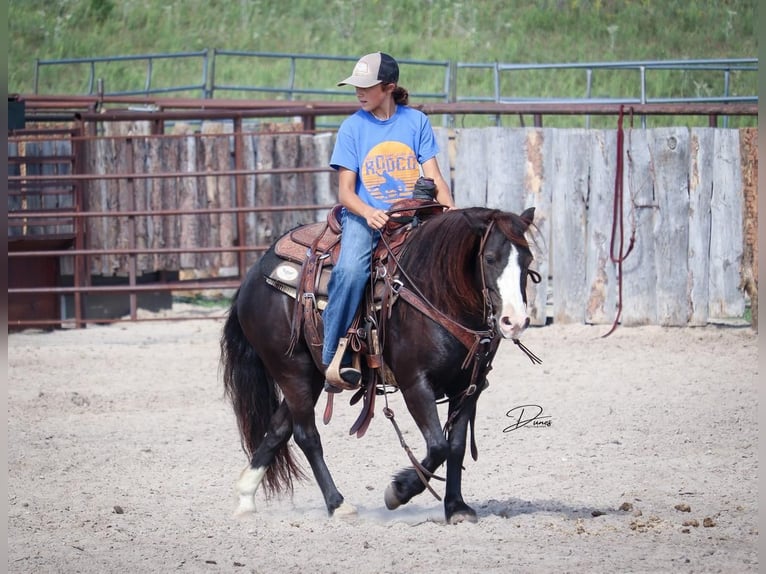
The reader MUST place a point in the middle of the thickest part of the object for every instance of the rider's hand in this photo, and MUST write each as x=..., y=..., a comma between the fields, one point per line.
x=376, y=218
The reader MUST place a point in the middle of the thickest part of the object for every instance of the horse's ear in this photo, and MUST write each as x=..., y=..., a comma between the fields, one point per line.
x=478, y=218
x=528, y=216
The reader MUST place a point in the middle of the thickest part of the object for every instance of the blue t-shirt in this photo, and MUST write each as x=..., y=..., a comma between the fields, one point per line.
x=386, y=155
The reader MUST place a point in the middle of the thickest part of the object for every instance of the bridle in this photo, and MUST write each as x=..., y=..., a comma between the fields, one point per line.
x=481, y=344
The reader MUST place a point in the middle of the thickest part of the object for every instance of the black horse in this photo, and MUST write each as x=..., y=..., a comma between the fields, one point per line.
x=466, y=273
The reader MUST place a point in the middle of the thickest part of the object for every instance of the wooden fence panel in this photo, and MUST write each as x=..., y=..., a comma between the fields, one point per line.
x=683, y=205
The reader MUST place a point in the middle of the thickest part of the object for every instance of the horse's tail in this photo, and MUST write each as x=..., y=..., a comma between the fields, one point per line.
x=255, y=397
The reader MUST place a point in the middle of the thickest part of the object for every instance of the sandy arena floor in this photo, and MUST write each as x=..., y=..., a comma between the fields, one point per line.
x=123, y=456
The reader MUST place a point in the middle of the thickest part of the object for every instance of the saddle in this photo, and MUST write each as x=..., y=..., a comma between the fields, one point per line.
x=308, y=254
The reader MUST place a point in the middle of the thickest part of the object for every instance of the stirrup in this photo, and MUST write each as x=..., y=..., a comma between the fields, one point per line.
x=341, y=378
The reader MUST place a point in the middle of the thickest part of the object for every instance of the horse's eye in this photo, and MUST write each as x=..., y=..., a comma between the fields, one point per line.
x=490, y=259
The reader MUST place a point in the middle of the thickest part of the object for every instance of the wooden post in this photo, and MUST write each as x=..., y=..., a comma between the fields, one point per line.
x=239, y=152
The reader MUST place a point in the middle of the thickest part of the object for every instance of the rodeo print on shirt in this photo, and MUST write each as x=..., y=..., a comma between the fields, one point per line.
x=389, y=171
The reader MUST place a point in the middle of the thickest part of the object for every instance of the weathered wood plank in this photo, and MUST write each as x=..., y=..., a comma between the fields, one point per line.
x=726, y=239
x=671, y=155
x=505, y=159
x=444, y=139
x=748, y=139
x=470, y=168
x=246, y=236
x=170, y=161
x=141, y=203
x=266, y=223
x=701, y=157
x=155, y=224
x=325, y=184
x=289, y=190
x=187, y=196
x=94, y=193
x=220, y=189
x=639, y=304
x=116, y=231
x=568, y=224
x=604, y=234
x=537, y=191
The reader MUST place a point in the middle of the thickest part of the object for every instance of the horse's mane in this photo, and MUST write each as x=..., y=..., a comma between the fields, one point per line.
x=442, y=256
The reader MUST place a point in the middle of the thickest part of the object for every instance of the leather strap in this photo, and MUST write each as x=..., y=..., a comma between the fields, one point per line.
x=463, y=334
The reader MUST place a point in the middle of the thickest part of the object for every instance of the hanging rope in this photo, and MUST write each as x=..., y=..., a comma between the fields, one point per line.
x=618, y=230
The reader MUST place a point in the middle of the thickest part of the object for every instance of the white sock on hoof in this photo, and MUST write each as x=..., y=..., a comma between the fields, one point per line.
x=247, y=485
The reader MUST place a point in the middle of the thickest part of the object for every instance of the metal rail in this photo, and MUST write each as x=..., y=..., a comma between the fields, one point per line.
x=454, y=88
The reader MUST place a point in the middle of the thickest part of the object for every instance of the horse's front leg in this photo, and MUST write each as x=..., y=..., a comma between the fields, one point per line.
x=422, y=406
x=455, y=509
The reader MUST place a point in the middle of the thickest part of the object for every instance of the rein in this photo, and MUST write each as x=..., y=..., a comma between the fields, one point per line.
x=619, y=254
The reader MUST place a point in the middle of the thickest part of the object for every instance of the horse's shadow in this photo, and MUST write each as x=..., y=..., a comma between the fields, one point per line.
x=512, y=507
x=509, y=508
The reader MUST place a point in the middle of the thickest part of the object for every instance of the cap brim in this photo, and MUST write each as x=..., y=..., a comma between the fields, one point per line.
x=358, y=82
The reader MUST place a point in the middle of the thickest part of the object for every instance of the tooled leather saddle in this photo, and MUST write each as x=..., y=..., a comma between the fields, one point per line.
x=309, y=252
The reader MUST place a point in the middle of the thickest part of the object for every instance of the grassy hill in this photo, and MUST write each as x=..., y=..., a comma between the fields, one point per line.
x=510, y=31
x=478, y=31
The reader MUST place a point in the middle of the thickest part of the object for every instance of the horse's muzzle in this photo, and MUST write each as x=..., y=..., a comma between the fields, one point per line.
x=512, y=328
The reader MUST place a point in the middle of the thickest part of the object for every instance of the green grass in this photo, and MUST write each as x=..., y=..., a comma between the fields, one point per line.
x=546, y=31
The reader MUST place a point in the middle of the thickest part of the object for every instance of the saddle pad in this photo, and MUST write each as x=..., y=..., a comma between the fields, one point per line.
x=286, y=276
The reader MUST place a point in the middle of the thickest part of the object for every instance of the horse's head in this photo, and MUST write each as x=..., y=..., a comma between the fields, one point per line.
x=505, y=260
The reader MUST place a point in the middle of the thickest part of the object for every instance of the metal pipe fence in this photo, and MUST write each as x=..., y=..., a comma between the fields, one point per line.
x=294, y=77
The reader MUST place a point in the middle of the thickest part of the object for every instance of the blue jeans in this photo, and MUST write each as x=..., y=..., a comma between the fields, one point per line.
x=348, y=280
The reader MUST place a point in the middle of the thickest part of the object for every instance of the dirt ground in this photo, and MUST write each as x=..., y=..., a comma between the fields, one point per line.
x=123, y=453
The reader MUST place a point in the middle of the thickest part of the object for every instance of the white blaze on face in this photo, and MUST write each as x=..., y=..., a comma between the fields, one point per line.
x=513, y=317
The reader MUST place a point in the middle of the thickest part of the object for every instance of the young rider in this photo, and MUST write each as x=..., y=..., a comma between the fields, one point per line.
x=380, y=152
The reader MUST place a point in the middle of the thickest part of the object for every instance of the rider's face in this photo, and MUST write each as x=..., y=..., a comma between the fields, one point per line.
x=375, y=99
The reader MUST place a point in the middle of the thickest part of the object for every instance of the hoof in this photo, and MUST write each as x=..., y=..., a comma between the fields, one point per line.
x=247, y=484
x=463, y=516
x=246, y=506
x=392, y=501
x=345, y=510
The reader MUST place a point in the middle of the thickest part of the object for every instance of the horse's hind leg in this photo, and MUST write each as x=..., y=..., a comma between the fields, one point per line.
x=307, y=438
x=279, y=432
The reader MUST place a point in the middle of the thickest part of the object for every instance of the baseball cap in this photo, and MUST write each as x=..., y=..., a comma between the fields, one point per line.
x=372, y=70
